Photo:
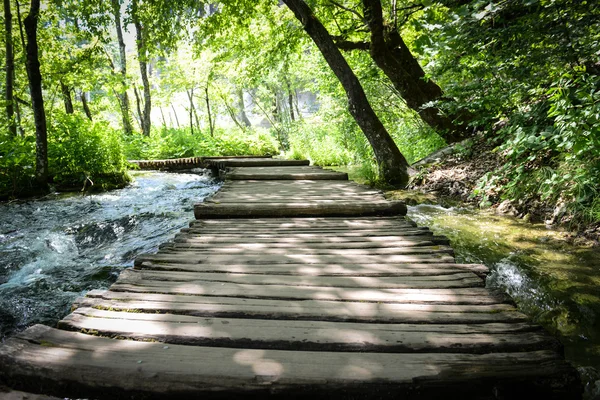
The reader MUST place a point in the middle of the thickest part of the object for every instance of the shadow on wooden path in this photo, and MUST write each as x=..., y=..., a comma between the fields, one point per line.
x=293, y=282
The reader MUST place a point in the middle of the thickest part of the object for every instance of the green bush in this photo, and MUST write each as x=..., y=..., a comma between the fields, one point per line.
x=16, y=163
x=178, y=143
x=83, y=153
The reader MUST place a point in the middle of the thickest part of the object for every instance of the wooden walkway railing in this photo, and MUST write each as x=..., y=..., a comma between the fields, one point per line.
x=294, y=282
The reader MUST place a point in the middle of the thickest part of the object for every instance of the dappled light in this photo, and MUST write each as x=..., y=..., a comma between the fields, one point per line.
x=277, y=127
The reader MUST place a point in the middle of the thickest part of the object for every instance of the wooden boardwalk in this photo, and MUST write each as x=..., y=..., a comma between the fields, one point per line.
x=294, y=282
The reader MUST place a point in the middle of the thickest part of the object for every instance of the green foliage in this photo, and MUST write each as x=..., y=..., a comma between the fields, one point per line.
x=16, y=163
x=82, y=153
x=529, y=73
x=176, y=143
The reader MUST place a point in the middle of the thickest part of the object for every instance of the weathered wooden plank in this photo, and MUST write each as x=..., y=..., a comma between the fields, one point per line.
x=295, y=222
x=285, y=232
x=278, y=198
x=304, y=335
x=51, y=358
x=491, y=328
x=464, y=279
x=293, y=258
x=191, y=242
x=384, y=270
x=245, y=210
x=249, y=162
x=7, y=394
x=326, y=242
x=286, y=228
x=238, y=174
x=459, y=295
x=189, y=249
x=313, y=310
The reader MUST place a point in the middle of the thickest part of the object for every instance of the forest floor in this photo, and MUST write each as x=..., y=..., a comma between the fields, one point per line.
x=450, y=176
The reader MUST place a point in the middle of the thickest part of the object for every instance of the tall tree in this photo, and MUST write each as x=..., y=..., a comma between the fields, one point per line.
x=142, y=51
x=37, y=99
x=393, y=166
x=391, y=54
x=122, y=94
x=10, y=70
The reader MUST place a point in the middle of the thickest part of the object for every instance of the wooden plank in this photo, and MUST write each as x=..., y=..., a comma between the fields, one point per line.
x=200, y=243
x=283, y=173
x=409, y=269
x=308, y=233
x=229, y=239
x=305, y=199
x=312, y=310
x=50, y=358
x=245, y=210
x=267, y=162
x=304, y=335
x=18, y=395
x=292, y=258
x=463, y=279
x=189, y=249
x=343, y=221
x=459, y=295
x=228, y=225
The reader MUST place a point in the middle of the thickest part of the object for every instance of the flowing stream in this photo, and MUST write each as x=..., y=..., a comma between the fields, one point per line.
x=554, y=282
x=57, y=248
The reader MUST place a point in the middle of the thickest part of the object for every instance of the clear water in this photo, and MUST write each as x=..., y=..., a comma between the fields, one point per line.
x=553, y=281
x=55, y=249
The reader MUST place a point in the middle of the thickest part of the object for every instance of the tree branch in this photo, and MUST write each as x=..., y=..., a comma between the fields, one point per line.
x=343, y=7
x=348, y=45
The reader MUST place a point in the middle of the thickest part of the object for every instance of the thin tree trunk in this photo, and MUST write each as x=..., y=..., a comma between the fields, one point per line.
x=138, y=102
x=393, y=167
x=395, y=59
x=242, y=107
x=86, y=107
x=37, y=99
x=10, y=70
x=210, y=119
x=18, y=119
x=122, y=93
x=193, y=111
x=290, y=100
x=176, y=118
x=296, y=101
x=231, y=112
x=162, y=114
x=143, y=61
x=66, y=95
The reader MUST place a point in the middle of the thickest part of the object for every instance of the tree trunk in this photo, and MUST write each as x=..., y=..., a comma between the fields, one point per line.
x=176, y=118
x=395, y=59
x=392, y=164
x=37, y=100
x=210, y=118
x=10, y=70
x=298, y=113
x=122, y=93
x=162, y=114
x=290, y=101
x=143, y=60
x=191, y=98
x=66, y=95
x=242, y=107
x=138, y=102
x=193, y=107
x=86, y=107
